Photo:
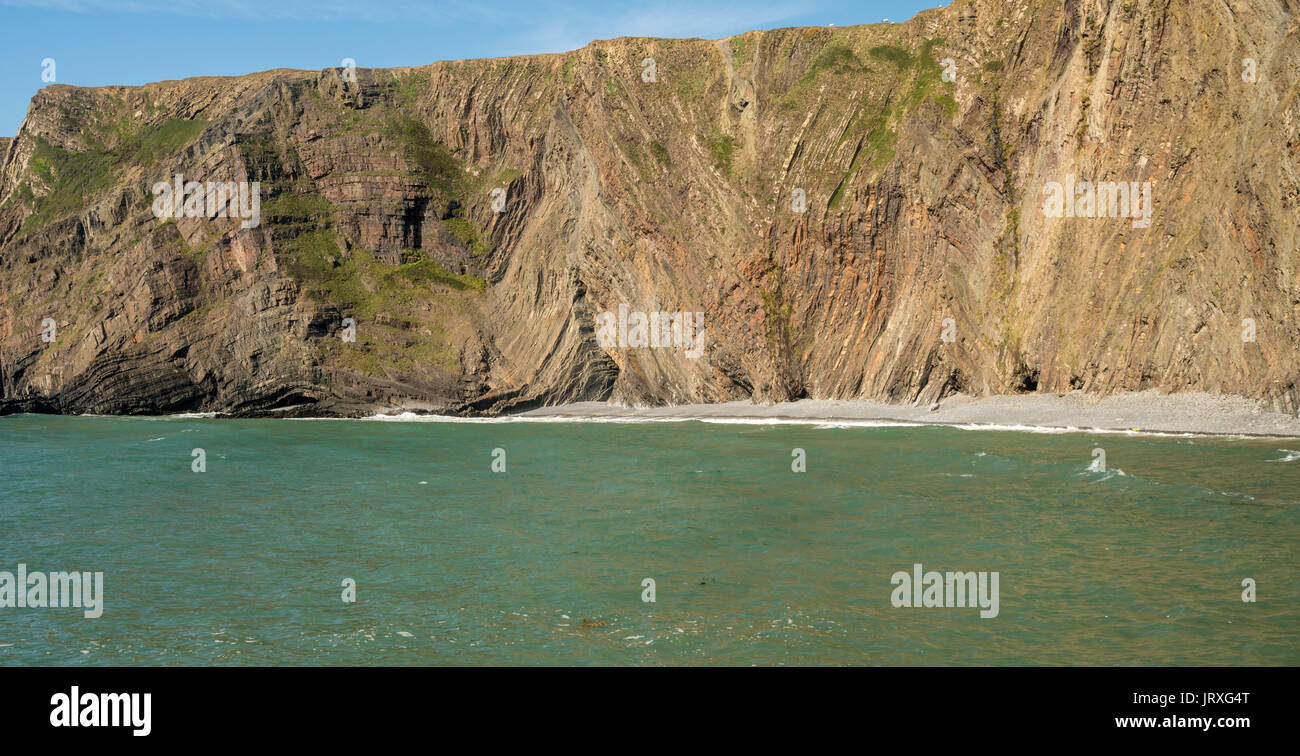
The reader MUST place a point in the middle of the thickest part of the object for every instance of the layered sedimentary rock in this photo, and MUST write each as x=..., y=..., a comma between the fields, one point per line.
x=859, y=212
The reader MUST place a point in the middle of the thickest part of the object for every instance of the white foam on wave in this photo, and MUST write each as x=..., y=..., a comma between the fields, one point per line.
x=412, y=417
x=1108, y=474
x=818, y=423
x=1235, y=493
x=1021, y=428
x=1291, y=456
x=1057, y=429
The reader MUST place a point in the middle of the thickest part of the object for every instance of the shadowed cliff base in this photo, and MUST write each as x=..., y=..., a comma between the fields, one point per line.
x=861, y=213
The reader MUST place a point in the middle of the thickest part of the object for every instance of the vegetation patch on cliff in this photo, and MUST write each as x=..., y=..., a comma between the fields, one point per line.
x=837, y=58
x=358, y=281
x=165, y=139
x=426, y=270
x=896, y=55
x=72, y=178
x=465, y=231
x=296, y=205
x=436, y=165
x=721, y=147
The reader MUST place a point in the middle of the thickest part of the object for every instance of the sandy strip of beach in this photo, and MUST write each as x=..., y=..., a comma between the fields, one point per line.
x=1147, y=412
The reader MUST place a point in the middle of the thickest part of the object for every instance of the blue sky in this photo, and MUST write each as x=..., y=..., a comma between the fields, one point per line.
x=99, y=42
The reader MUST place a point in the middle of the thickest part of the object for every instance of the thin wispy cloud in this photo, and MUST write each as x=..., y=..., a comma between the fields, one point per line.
x=393, y=11
x=539, y=27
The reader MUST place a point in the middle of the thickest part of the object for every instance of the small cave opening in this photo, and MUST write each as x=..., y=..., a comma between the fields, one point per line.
x=1024, y=380
x=955, y=384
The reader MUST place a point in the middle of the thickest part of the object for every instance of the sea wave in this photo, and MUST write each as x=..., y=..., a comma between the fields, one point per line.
x=412, y=417
x=1021, y=428
x=818, y=423
x=1094, y=431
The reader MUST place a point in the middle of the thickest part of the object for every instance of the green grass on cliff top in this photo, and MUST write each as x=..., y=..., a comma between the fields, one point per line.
x=921, y=79
x=74, y=178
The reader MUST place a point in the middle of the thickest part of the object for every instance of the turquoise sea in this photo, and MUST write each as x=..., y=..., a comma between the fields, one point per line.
x=243, y=564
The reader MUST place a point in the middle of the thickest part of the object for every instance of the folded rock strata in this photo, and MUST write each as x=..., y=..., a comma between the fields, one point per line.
x=858, y=213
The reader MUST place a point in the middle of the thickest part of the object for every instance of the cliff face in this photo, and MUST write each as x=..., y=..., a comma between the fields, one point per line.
x=850, y=223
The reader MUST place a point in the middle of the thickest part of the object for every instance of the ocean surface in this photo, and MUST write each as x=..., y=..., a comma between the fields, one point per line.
x=1141, y=563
